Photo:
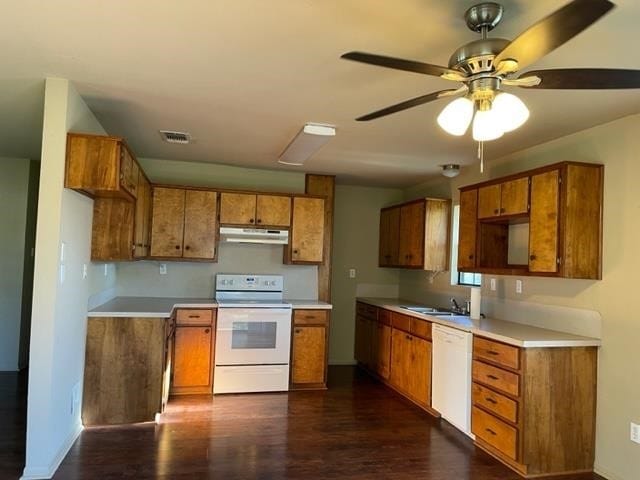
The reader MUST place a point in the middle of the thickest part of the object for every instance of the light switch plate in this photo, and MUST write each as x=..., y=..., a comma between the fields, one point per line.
x=106, y=269
x=62, y=252
x=493, y=284
x=635, y=432
x=352, y=273
x=163, y=269
x=84, y=270
x=518, y=286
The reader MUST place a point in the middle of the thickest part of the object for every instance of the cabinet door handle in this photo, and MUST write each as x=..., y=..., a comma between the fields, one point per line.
x=492, y=377
x=490, y=431
x=532, y=257
x=493, y=352
x=207, y=330
x=491, y=400
x=408, y=337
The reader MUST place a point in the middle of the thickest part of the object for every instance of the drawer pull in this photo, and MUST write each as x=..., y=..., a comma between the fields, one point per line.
x=493, y=352
x=492, y=377
x=408, y=337
x=490, y=431
x=194, y=316
x=490, y=400
x=309, y=317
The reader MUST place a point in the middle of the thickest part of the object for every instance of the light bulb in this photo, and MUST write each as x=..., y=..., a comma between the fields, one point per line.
x=510, y=111
x=456, y=117
x=486, y=126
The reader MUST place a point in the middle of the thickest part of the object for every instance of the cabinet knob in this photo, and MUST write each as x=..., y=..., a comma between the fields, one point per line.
x=496, y=211
x=297, y=330
x=251, y=220
x=207, y=330
x=187, y=247
x=259, y=220
x=532, y=257
x=470, y=257
x=295, y=251
x=502, y=210
x=177, y=247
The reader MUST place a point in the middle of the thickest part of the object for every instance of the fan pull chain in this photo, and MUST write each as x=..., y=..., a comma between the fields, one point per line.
x=481, y=156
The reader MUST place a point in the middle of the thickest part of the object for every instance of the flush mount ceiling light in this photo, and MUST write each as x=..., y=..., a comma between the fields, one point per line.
x=451, y=170
x=482, y=67
x=307, y=142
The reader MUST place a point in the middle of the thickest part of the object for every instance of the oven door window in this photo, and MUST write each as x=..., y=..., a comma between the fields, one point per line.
x=252, y=335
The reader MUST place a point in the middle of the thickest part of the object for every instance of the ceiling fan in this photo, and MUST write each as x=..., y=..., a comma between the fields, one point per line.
x=484, y=66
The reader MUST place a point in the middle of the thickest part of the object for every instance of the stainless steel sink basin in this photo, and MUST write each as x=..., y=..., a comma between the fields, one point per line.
x=428, y=311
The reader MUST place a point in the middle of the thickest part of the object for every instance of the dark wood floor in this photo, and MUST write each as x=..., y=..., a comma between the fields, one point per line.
x=13, y=423
x=357, y=429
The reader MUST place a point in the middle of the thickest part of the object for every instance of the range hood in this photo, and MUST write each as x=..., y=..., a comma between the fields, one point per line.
x=254, y=235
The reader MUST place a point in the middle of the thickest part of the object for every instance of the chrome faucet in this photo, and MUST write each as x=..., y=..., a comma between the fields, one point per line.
x=456, y=308
x=454, y=305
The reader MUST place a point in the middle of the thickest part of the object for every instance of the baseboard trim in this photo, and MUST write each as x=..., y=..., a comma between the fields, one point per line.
x=43, y=473
x=607, y=474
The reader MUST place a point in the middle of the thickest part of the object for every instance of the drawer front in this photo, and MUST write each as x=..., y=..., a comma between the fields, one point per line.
x=190, y=316
x=421, y=328
x=497, y=378
x=384, y=316
x=496, y=352
x=401, y=322
x=494, y=402
x=367, y=310
x=310, y=317
x=495, y=432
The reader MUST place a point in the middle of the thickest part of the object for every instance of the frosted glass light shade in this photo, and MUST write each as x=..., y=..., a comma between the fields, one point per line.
x=456, y=117
x=486, y=126
x=510, y=110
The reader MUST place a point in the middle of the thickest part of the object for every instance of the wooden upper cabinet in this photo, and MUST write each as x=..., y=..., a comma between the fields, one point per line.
x=112, y=232
x=468, y=229
x=200, y=226
x=237, y=208
x=389, y=237
x=489, y=201
x=562, y=205
x=514, y=197
x=100, y=166
x=306, y=243
x=411, y=249
x=167, y=225
x=273, y=210
x=436, y=234
x=507, y=198
x=543, y=226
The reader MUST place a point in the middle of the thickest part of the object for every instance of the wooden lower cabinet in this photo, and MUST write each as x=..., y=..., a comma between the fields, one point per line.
x=381, y=349
x=125, y=366
x=411, y=366
x=193, y=352
x=534, y=408
x=309, y=349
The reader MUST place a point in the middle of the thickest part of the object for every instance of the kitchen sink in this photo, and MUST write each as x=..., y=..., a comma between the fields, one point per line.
x=437, y=312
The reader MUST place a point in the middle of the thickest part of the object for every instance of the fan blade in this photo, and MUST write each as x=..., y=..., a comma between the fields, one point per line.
x=553, y=31
x=585, y=78
x=414, y=102
x=407, y=65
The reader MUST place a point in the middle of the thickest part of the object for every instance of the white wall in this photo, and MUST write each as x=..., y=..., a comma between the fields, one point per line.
x=59, y=307
x=14, y=188
x=616, y=145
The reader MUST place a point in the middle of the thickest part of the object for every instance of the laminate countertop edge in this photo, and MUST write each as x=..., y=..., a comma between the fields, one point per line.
x=163, y=307
x=512, y=333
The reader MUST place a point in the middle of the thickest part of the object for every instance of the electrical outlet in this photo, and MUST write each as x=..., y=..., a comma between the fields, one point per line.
x=493, y=284
x=352, y=273
x=62, y=252
x=163, y=269
x=84, y=270
x=635, y=432
x=106, y=269
x=518, y=286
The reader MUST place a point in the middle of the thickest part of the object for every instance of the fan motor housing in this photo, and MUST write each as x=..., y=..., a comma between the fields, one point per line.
x=477, y=56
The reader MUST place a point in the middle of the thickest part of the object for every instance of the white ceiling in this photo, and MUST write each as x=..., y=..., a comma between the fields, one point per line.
x=242, y=77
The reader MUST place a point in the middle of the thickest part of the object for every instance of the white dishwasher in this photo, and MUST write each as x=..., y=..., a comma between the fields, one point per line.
x=451, y=376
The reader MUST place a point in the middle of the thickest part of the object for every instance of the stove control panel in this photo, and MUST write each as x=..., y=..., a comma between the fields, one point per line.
x=249, y=282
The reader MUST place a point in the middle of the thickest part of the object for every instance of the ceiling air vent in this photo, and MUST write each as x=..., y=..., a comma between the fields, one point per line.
x=175, y=137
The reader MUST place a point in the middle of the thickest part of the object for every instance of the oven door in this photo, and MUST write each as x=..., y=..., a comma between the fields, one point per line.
x=253, y=336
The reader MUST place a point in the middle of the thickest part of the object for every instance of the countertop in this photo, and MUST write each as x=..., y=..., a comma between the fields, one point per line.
x=161, y=307
x=501, y=330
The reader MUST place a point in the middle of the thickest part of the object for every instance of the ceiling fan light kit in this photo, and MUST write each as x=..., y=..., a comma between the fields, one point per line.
x=485, y=65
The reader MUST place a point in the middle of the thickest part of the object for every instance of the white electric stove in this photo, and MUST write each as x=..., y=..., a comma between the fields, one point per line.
x=253, y=335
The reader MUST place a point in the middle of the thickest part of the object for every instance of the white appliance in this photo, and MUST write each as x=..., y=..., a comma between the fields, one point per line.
x=254, y=235
x=451, y=376
x=253, y=334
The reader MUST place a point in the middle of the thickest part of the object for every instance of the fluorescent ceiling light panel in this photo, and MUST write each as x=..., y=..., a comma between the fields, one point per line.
x=307, y=142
